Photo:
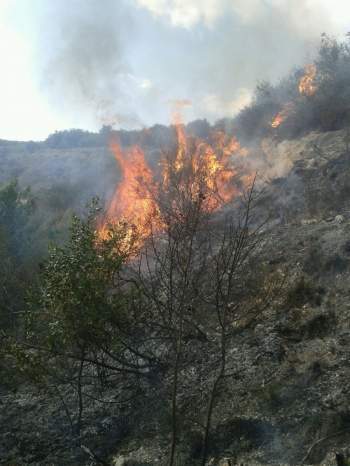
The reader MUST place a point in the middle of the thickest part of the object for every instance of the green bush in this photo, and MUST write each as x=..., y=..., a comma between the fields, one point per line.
x=16, y=246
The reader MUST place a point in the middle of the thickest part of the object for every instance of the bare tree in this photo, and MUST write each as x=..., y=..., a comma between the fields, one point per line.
x=234, y=302
x=190, y=275
x=170, y=269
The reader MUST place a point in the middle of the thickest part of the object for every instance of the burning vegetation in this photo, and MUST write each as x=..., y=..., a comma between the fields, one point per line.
x=307, y=84
x=190, y=339
x=312, y=98
x=306, y=87
x=204, y=170
x=133, y=201
x=283, y=114
x=208, y=168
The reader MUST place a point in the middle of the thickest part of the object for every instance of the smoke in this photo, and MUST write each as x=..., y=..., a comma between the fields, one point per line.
x=232, y=45
x=188, y=13
x=122, y=62
x=84, y=67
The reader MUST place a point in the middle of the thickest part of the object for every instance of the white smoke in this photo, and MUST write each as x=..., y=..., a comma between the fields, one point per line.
x=188, y=13
x=122, y=62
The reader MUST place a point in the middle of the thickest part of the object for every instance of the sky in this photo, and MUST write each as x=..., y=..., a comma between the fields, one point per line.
x=129, y=63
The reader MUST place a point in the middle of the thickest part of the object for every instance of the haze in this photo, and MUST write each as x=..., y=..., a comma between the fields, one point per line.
x=85, y=63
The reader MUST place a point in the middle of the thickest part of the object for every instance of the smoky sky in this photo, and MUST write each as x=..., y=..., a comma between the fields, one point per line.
x=124, y=63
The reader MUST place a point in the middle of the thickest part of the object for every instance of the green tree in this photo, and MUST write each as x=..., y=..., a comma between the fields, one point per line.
x=16, y=209
x=79, y=328
x=75, y=300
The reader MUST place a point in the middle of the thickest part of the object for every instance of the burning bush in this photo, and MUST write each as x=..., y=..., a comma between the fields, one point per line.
x=199, y=170
x=316, y=97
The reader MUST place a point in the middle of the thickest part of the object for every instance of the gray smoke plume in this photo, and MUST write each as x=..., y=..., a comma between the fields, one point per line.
x=84, y=67
x=122, y=62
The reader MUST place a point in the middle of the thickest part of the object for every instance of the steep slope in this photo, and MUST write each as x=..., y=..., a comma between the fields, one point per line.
x=290, y=402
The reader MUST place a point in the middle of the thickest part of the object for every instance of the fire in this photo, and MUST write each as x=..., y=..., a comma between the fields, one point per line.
x=306, y=87
x=286, y=111
x=307, y=84
x=182, y=145
x=279, y=118
x=209, y=165
x=203, y=170
x=218, y=157
x=133, y=202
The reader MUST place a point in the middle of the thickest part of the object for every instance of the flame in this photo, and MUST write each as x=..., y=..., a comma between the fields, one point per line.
x=181, y=144
x=307, y=84
x=281, y=116
x=209, y=163
x=202, y=169
x=306, y=87
x=278, y=119
x=133, y=202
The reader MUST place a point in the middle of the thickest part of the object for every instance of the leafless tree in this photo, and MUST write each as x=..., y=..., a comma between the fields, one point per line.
x=190, y=274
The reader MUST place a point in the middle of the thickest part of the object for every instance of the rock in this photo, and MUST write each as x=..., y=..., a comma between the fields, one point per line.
x=309, y=221
x=225, y=462
x=120, y=461
x=339, y=219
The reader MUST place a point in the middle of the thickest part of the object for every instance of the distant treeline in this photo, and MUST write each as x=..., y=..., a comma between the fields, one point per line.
x=156, y=136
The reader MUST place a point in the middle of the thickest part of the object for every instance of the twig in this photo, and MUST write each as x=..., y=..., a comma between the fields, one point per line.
x=323, y=439
x=93, y=455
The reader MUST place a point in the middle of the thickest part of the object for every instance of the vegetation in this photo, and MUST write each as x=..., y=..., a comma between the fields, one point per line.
x=326, y=109
x=155, y=321
x=105, y=306
x=77, y=317
x=16, y=260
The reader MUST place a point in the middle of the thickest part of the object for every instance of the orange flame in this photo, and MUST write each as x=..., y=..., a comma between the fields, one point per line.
x=278, y=120
x=133, y=202
x=281, y=116
x=306, y=87
x=307, y=84
x=210, y=164
x=204, y=170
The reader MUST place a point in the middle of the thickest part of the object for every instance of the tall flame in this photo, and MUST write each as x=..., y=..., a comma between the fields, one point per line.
x=210, y=163
x=307, y=84
x=204, y=169
x=133, y=201
x=306, y=87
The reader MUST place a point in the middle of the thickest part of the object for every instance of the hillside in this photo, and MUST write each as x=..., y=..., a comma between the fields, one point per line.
x=88, y=171
x=175, y=233
x=289, y=402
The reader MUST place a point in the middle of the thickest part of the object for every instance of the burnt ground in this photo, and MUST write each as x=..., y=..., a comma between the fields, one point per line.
x=290, y=403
